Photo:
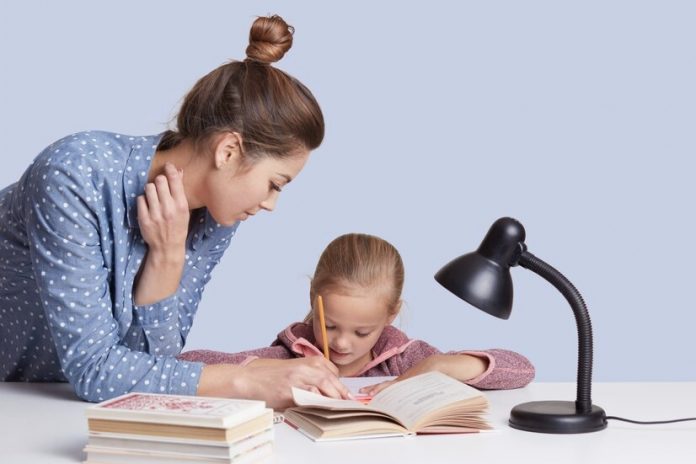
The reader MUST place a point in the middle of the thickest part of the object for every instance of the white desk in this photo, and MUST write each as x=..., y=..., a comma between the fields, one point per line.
x=45, y=423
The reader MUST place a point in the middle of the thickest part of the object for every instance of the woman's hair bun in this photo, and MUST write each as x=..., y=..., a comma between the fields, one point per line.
x=269, y=39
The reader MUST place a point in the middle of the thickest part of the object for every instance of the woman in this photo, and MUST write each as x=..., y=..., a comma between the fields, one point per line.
x=107, y=240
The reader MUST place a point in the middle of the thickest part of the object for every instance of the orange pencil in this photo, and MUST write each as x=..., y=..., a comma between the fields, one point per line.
x=322, y=321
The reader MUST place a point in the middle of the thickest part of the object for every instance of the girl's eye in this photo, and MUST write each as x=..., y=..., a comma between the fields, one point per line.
x=275, y=187
x=330, y=327
x=362, y=334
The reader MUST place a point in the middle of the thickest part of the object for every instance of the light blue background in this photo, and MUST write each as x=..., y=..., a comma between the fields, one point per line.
x=577, y=119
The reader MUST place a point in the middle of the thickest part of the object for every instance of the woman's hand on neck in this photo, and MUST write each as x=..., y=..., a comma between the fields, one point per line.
x=184, y=157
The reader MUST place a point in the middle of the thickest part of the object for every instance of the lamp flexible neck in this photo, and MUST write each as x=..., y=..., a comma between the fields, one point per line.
x=582, y=319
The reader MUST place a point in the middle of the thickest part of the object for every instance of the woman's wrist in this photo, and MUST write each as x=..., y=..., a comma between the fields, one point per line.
x=225, y=380
x=166, y=257
x=159, y=276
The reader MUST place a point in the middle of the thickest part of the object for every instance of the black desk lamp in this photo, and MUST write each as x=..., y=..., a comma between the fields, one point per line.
x=482, y=278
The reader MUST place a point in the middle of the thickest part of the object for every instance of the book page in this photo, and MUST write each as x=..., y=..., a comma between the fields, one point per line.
x=354, y=385
x=307, y=398
x=412, y=399
x=407, y=401
x=326, y=425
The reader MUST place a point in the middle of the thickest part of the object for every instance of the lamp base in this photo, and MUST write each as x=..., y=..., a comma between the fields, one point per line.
x=556, y=417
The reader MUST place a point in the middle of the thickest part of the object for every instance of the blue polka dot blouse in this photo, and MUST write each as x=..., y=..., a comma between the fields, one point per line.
x=70, y=248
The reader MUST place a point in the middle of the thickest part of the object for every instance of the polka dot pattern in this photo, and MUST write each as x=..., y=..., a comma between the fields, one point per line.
x=70, y=249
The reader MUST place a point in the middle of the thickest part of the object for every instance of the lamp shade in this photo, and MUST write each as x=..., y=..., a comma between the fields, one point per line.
x=482, y=278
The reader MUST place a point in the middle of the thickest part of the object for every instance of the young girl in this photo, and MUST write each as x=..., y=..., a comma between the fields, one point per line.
x=360, y=278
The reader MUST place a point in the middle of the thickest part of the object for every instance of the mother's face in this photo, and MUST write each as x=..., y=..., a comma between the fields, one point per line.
x=235, y=190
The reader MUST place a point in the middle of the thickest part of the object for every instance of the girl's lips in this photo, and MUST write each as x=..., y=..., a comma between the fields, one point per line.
x=337, y=354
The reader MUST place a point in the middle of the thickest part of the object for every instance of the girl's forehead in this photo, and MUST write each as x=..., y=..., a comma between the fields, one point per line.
x=358, y=309
x=349, y=289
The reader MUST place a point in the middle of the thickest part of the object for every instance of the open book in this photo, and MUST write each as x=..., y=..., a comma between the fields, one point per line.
x=426, y=403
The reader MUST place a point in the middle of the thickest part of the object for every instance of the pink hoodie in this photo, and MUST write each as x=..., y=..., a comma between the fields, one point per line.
x=393, y=354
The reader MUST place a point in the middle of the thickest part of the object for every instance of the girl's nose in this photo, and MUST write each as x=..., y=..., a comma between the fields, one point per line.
x=339, y=343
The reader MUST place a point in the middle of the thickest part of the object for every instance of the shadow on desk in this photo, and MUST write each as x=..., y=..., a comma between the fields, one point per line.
x=58, y=390
x=71, y=451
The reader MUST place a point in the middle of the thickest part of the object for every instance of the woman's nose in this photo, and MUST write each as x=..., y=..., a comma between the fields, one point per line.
x=269, y=203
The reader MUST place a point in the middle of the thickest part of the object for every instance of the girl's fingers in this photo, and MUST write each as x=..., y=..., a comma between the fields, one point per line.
x=372, y=390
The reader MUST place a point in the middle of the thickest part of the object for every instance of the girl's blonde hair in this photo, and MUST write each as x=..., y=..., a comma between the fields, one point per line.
x=359, y=261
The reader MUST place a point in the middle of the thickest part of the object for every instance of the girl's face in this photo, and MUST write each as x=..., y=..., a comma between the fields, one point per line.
x=234, y=191
x=353, y=324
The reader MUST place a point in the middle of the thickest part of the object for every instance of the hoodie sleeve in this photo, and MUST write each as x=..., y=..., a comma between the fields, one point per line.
x=506, y=369
x=242, y=358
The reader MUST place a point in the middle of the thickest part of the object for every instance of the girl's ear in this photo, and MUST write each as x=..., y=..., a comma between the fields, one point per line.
x=394, y=312
x=228, y=151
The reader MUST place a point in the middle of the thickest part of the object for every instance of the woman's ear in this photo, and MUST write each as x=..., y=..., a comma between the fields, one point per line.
x=228, y=151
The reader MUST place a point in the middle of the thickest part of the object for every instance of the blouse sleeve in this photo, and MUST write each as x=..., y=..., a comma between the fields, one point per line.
x=74, y=286
x=162, y=327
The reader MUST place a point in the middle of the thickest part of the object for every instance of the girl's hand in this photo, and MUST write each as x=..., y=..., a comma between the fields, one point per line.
x=459, y=366
x=163, y=213
x=428, y=364
x=271, y=380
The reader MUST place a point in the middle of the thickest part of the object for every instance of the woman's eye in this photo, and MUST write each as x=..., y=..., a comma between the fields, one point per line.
x=362, y=334
x=330, y=327
x=275, y=187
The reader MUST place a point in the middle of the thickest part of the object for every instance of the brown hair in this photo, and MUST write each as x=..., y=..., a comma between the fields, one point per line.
x=359, y=261
x=273, y=112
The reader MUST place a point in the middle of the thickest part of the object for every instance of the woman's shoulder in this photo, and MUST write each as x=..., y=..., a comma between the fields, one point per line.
x=89, y=157
x=93, y=149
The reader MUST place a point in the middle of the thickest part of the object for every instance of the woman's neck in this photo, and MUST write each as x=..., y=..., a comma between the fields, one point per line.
x=183, y=156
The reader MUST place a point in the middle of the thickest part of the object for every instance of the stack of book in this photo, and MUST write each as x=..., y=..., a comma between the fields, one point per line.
x=149, y=428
